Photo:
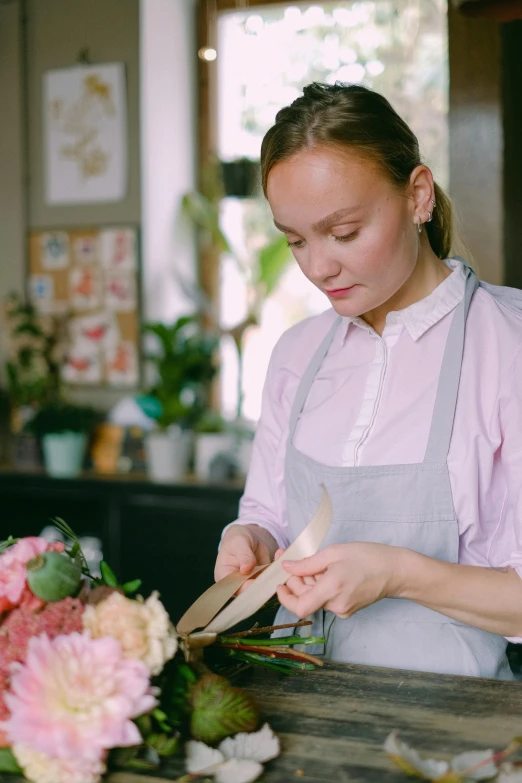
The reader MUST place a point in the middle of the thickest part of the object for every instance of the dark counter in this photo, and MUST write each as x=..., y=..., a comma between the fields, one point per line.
x=165, y=534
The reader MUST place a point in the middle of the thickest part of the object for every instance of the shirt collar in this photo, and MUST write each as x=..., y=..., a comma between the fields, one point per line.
x=422, y=315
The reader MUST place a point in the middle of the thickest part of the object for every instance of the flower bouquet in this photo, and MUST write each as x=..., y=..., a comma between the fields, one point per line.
x=95, y=677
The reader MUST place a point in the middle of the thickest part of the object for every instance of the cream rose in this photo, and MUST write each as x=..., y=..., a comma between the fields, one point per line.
x=143, y=628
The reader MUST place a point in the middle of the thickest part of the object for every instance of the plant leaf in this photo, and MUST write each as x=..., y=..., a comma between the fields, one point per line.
x=273, y=260
x=7, y=543
x=108, y=575
x=131, y=587
x=68, y=532
x=8, y=762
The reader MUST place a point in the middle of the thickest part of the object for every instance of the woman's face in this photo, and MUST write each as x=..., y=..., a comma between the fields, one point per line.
x=351, y=232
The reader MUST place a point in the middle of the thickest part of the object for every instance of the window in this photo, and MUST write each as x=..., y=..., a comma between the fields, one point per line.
x=265, y=56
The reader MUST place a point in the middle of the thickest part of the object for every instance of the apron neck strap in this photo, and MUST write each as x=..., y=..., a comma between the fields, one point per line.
x=308, y=377
x=448, y=385
x=449, y=379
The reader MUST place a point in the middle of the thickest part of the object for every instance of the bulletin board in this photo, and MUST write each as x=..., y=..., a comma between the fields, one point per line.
x=93, y=276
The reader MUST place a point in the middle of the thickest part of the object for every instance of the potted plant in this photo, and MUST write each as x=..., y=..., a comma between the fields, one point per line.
x=35, y=348
x=184, y=365
x=261, y=268
x=213, y=436
x=63, y=429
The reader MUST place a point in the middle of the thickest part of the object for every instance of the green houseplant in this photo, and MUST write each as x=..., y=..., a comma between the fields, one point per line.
x=184, y=365
x=262, y=271
x=63, y=429
x=35, y=346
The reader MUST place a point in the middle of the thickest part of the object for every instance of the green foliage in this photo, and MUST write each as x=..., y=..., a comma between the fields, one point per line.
x=185, y=366
x=272, y=262
x=220, y=710
x=36, y=344
x=211, y=422
x=8, y=762
x=58, y=416
x=176, y=681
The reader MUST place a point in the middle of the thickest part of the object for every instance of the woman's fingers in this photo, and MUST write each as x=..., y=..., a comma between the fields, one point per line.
x=310, y=566
x=308, y=602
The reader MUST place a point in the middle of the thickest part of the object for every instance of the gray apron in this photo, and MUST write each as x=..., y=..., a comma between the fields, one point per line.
x=401, y=505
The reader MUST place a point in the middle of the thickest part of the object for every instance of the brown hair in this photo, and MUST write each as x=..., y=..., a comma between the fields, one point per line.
x=348, y=114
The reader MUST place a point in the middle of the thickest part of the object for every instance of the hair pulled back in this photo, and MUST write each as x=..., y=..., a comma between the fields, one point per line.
x=354, y=116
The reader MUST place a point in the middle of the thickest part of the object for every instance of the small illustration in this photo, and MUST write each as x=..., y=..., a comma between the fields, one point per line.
x=54, y=251
x=118, y=249
x=41, y=291
x=83, y=364
x=120, y=291
x=85, y=288
x=122, y=365
x=85, y=250
x=99, y=330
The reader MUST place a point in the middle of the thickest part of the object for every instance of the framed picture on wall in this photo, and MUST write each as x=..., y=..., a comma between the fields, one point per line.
x=85, y=134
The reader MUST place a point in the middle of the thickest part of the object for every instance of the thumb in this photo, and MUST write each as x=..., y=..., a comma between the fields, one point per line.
x=245, y=556
x=309, y=566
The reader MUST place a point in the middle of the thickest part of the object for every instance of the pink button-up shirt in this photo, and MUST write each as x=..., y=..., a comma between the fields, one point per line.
x=371, y=403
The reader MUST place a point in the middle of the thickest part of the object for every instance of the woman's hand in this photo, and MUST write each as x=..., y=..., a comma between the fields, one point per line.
x=242, y=549
x=342, y=578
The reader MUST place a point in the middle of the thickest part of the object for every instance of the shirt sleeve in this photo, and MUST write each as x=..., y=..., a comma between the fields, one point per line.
x=264, y=502
x=506, y=546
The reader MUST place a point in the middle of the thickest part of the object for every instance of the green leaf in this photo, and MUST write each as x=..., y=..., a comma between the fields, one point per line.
x=220, y=710
x=108, y=575
x=8, y=762
x=273, y=260
x=7, y=543
x=163, y=744
x=131, y=587
x=68, y=532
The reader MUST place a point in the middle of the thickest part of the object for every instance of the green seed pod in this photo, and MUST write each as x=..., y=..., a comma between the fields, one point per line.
x=53, y=576
x=220, y=710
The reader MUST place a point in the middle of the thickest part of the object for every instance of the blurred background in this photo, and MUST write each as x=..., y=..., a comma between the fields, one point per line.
x=142, y=283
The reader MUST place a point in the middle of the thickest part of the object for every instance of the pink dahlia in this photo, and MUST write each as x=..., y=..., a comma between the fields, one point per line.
x=76, y=696
x=14, y=590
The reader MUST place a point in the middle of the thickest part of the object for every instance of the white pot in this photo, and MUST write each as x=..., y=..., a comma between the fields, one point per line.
x=244, y=455
x=209, y=445
x=168, y=454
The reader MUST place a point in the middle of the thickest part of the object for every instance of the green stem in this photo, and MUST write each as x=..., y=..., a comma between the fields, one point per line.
x=278, y=642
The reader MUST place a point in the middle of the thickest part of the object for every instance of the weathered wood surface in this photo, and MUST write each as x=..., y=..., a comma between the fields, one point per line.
x=332, y=722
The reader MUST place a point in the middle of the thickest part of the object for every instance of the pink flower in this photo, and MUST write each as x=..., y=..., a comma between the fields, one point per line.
x=13, y=573
x=76, y=696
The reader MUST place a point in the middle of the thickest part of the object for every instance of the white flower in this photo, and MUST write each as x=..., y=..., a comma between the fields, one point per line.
x=509, y=773
x=412, y=763
x=238, y=759
x=41, y=768
x=143, y=628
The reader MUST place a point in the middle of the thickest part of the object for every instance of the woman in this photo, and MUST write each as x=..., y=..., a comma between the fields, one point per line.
x=404, y=399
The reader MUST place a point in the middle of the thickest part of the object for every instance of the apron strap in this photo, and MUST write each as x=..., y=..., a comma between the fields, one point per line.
x=308, y=377
x=449, y=378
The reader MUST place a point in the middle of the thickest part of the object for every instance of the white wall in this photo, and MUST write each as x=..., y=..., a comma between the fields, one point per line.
x=168, y=152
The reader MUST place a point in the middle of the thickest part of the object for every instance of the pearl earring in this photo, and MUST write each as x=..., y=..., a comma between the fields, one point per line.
x=419, y=225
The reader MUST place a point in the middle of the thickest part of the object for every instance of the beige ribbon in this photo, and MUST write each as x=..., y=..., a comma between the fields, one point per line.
x=205, y=611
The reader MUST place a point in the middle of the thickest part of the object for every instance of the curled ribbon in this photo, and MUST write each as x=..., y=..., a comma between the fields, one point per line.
x=207, y=612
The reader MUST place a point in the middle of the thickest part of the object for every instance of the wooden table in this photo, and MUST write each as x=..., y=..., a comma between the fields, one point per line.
x=332, y=722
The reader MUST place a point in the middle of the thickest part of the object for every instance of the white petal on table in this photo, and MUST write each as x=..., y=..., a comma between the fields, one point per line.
x=260, y=745
x=464, y=761
x=202, y=759
x=238, y=771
